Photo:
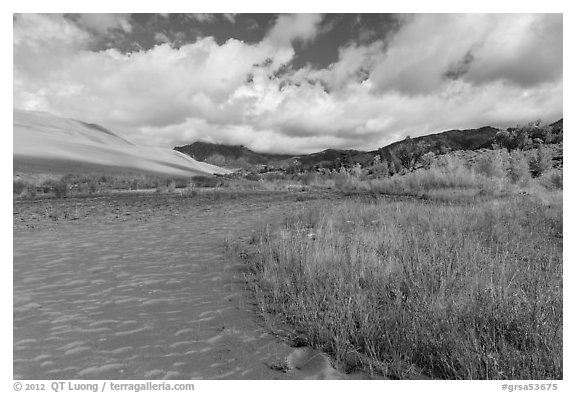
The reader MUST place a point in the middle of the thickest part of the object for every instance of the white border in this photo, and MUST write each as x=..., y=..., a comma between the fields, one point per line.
x=421, y=6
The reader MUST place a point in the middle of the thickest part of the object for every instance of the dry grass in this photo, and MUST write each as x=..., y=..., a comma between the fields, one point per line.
x=453, y=291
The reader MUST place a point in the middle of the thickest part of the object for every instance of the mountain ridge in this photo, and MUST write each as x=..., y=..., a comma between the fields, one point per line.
x=221, y=153
x=239, y=156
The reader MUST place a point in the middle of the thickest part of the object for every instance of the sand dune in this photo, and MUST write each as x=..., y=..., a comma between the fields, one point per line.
x=42, y=137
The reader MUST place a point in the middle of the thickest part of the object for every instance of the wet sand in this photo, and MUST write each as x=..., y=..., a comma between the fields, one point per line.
x=138, y=287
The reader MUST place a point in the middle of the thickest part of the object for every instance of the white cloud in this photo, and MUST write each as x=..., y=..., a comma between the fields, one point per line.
x=52, y=30
x=373, y=95
x=525, y=50
x=230, y=17
x=518, y=48
x=103, y=23
x=295, y=27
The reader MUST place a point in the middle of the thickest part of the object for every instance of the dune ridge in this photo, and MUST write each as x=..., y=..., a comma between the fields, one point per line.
x=43, y=136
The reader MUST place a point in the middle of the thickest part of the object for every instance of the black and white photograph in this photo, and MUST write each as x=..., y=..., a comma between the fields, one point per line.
x=264, y=196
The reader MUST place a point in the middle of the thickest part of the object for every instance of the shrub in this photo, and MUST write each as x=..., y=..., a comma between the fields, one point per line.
x=307, y=178
x=447, y=173
x=541, y=161
x=206, y=181
x=427, y=160
x=276, y=175
x=92, y=186
x=189, y=193
x=552, y=180
x=492, y=164
x=380, y=169
x=356, y=170
x=18, y=187
x=171, y=186
x=409, y=152
x=58, y=187
x=341, y=180
x=519, y=172
x=161, y=188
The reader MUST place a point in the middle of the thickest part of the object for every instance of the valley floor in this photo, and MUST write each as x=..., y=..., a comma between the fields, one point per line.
x=255, y=285
x=136, y=286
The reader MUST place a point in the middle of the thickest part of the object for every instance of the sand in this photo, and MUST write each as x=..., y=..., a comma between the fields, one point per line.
x=40, y=136
x=139, y=287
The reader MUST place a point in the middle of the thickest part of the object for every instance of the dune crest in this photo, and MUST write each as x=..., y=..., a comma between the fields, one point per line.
x=43, y=136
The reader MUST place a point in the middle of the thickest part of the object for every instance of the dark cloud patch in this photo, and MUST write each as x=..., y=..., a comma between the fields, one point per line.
x=339, y=30
x=188, y=28
x=459, y=69
x=222, y=29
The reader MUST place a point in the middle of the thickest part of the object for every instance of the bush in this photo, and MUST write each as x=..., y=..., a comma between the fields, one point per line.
x=447, y=173
x=18, y=187
x=552, y=180
x=307, y=178
x=189, y=193
x=171, y=186
x=541, y=161
x=519, y=172
x=92, y=186
x=380, y=169
x=427, y=160
x=273, y=176
x=492, y=164
x=58, y=187
x=342, y=181
x=206, y=181
x=409, y=152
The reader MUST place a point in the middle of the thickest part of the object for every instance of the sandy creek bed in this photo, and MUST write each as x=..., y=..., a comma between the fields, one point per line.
x=138, y=287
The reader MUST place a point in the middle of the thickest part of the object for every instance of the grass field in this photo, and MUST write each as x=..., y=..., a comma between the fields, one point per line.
x=449, y=290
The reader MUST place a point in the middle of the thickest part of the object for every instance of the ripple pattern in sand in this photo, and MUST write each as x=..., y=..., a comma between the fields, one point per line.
x=137, y=300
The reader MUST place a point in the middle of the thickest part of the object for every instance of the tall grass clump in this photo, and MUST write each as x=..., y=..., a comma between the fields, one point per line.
x=492, y=164
x=541, y=161
x=58, y=187
x=446, y=173
x=18, y=187
x=451, y=291
x=519, y=171
x=552, y=180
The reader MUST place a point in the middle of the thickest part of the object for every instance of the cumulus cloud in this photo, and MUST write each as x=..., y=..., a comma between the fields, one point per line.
x=525, y=50
x=519, y=49
x=103, y=23
x=437, y=72
x=297, y=27
x=53, y=30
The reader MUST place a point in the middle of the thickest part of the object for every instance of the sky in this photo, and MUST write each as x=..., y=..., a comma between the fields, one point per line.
x=289, y=83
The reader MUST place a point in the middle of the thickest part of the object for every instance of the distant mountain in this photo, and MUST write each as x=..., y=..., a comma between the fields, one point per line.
x=44, y=143
x=558, y=125
x=230, y=156
x=451, y=140
x=241, y=157
x=327, y=156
